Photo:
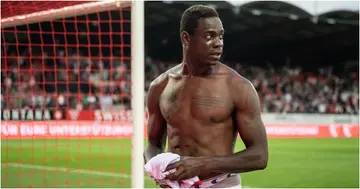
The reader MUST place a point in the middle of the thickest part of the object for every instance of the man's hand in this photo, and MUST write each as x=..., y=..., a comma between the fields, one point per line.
x=162, y=185
x=186, y=168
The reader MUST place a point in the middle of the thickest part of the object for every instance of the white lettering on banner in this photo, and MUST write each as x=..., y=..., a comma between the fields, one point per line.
x=74, y=114
x=23, y=114
x=23, y=131
x=6, y=114
x=40, y=130
x=65, y=130
x=333, y=130
x=94, y=130
x=26, y=114
x=112, y=115
x=72, y=130
x=292, y=131
x=47, y=115
x=9, y=130
x=98, y=115
x=340, y=130
x=55, y=130
x=15, y=115
x=38, y=114
x=28, y=130
x=58, y=115
x=123, y=130
x=29, y=116
x=107, y=116
x=108, y=131
x=276, y=118
x=346, y=130
x=14, y=129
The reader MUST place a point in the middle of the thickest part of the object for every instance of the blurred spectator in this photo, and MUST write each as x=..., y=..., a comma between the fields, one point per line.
x=79, y=82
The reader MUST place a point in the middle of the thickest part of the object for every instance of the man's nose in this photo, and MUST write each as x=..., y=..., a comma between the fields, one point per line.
x=218, y=43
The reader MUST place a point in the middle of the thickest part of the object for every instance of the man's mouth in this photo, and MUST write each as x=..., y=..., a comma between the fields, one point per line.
x=216, y=55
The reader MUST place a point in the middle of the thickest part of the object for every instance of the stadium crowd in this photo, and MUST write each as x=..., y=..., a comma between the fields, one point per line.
x=288, y=89
x=80, y=82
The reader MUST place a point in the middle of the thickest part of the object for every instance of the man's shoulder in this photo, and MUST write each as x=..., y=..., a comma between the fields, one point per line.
x=234, y=79
x=161, y=81
x=237, y=85
x=241, y=89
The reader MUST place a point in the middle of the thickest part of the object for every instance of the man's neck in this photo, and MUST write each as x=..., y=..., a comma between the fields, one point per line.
x=192, y=69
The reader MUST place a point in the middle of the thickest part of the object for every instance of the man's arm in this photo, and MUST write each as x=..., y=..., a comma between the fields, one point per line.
x=251, y=130
x=156, y=124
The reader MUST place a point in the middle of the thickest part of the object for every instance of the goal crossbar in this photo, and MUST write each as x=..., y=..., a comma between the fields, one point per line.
x=64, y=12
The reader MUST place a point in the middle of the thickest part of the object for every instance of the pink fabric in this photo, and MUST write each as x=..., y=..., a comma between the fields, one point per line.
x=156, y=166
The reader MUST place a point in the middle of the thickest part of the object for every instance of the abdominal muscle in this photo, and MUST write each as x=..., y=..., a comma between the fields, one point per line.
x=200, y=145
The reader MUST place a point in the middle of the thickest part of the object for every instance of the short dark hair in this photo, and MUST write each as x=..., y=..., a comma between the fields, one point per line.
x=191, y=16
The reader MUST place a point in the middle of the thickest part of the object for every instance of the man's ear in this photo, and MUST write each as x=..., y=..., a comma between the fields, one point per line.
x=185, y=38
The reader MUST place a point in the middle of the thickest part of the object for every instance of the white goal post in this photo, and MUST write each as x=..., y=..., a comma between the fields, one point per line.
x=137, y=90
x=137, y=64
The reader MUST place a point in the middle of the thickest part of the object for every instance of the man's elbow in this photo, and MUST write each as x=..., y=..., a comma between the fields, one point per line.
x=263, y=160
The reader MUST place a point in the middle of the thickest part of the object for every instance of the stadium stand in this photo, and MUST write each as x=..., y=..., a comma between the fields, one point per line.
x=290, y=90
x=282, y=89
x=103, y=84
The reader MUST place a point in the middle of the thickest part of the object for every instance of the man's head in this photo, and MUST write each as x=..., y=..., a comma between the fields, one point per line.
x=201, y=33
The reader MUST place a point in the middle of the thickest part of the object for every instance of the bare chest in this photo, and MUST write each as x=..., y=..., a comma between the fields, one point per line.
x=207, y=101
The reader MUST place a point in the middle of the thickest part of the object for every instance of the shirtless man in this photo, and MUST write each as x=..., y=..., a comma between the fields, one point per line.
x=201, y=105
